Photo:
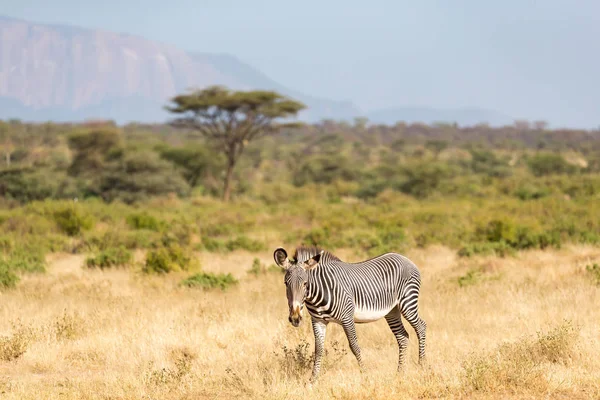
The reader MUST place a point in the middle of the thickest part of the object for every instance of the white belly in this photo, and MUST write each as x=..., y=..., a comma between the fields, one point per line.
x=370, y=315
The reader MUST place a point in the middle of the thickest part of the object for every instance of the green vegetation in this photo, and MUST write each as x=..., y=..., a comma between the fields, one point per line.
x=112, y=257
x=169, y=258
x=242, y=242
x=8, y=279
x=594, y=271
x=104, y=190
x=259, y=268
x=206, y=280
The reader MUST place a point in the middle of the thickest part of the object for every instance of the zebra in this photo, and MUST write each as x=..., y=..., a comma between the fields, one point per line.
x=348, y=293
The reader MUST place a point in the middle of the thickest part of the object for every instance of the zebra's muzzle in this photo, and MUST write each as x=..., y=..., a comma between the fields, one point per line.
x=295, y=316
x=295, y=321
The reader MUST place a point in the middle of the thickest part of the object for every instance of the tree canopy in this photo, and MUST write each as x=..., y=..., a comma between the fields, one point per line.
x=230, y=119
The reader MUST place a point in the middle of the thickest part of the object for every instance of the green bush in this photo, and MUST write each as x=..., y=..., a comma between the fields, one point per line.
x=212, y=245
x=112, y=257
x=244, y=243
x=6, y=244
x=517, y=237
x=26, y=259
x=259, y=268
x=20, y=224
x=167, y=259
x=531, y=192
x=8, y=279
x=206, y=280
x=26, y=184
x=549, y=164
x=72, y=220
x=143, y=220
x=136, y=176
x=472, y=277
x=500, y=249
x=118, y=237
x=318, y=237
x=240, y=243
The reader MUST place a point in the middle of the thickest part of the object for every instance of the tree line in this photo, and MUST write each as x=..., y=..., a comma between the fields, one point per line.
x=223, y=143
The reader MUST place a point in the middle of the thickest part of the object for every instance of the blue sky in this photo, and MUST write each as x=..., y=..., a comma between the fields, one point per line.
x=534, y=59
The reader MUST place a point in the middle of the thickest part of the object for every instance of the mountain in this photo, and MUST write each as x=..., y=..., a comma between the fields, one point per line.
x=462, y=116
x=65, y=73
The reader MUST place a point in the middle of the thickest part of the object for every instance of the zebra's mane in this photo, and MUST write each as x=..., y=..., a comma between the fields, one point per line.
x=303, y=253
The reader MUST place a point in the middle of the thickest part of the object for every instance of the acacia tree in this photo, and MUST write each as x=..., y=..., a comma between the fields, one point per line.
x=231, y=119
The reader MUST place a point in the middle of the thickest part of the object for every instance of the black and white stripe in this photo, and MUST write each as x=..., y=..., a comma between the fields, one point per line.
x=386, y=286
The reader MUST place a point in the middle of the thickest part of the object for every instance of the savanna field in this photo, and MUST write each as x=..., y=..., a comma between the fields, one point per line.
x=124, y=276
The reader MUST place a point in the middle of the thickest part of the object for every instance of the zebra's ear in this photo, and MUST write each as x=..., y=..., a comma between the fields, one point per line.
x=281, y=258
x=312, y=263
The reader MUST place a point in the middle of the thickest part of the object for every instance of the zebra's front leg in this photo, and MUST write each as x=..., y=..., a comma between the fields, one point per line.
x=350, y=331
x=319, y=329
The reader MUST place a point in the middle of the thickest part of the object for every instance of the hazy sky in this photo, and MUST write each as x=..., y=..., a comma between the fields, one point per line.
x=537, y=59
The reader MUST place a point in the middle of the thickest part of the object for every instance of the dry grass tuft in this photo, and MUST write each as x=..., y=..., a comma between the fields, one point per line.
x=15, y=345
x=520, y=365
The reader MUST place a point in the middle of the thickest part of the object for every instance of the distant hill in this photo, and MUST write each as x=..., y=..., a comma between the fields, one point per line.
x=69, y=73
x=65, y=73
x=462, y=116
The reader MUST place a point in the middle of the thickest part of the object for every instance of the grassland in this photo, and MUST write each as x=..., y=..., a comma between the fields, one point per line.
x=524, y=326
x=123, y=276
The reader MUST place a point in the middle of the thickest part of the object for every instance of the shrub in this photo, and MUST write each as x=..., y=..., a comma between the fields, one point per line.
x=294, y=362
x=318, y=237
x=240, y=243
x=29, y=184
x=143, y=220
x=502, y=233
x=26, y=259
x=167, y=259
x=207, y=280
x=112, y=257
x=28, y=224
x=213, y=245
x=424, y=179
x=115, y=238
x=245, y=243
x=531, y=192
x=8, y=279
x=594, y=271
x=518, y=365
x=498, y=230
x=500, y=249
x=6, y=244
x=470, y=278
x=259, y=268
x=72, y=220
x=14, y=346
x=549, y=164
x=138, y=175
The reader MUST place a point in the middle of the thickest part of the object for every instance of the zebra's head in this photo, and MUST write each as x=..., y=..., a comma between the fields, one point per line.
x=296, y=281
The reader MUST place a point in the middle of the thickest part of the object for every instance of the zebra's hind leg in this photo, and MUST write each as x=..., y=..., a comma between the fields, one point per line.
x=411, y=313
x=350, y=331
x=394, y=320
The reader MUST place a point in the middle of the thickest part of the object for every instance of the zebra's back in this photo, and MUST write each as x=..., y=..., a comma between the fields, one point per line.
x=377, y=285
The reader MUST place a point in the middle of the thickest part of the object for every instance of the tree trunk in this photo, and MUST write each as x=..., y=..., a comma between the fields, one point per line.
x=228, y=177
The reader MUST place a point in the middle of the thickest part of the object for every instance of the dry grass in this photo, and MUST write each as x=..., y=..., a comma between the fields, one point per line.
x=524, y=327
